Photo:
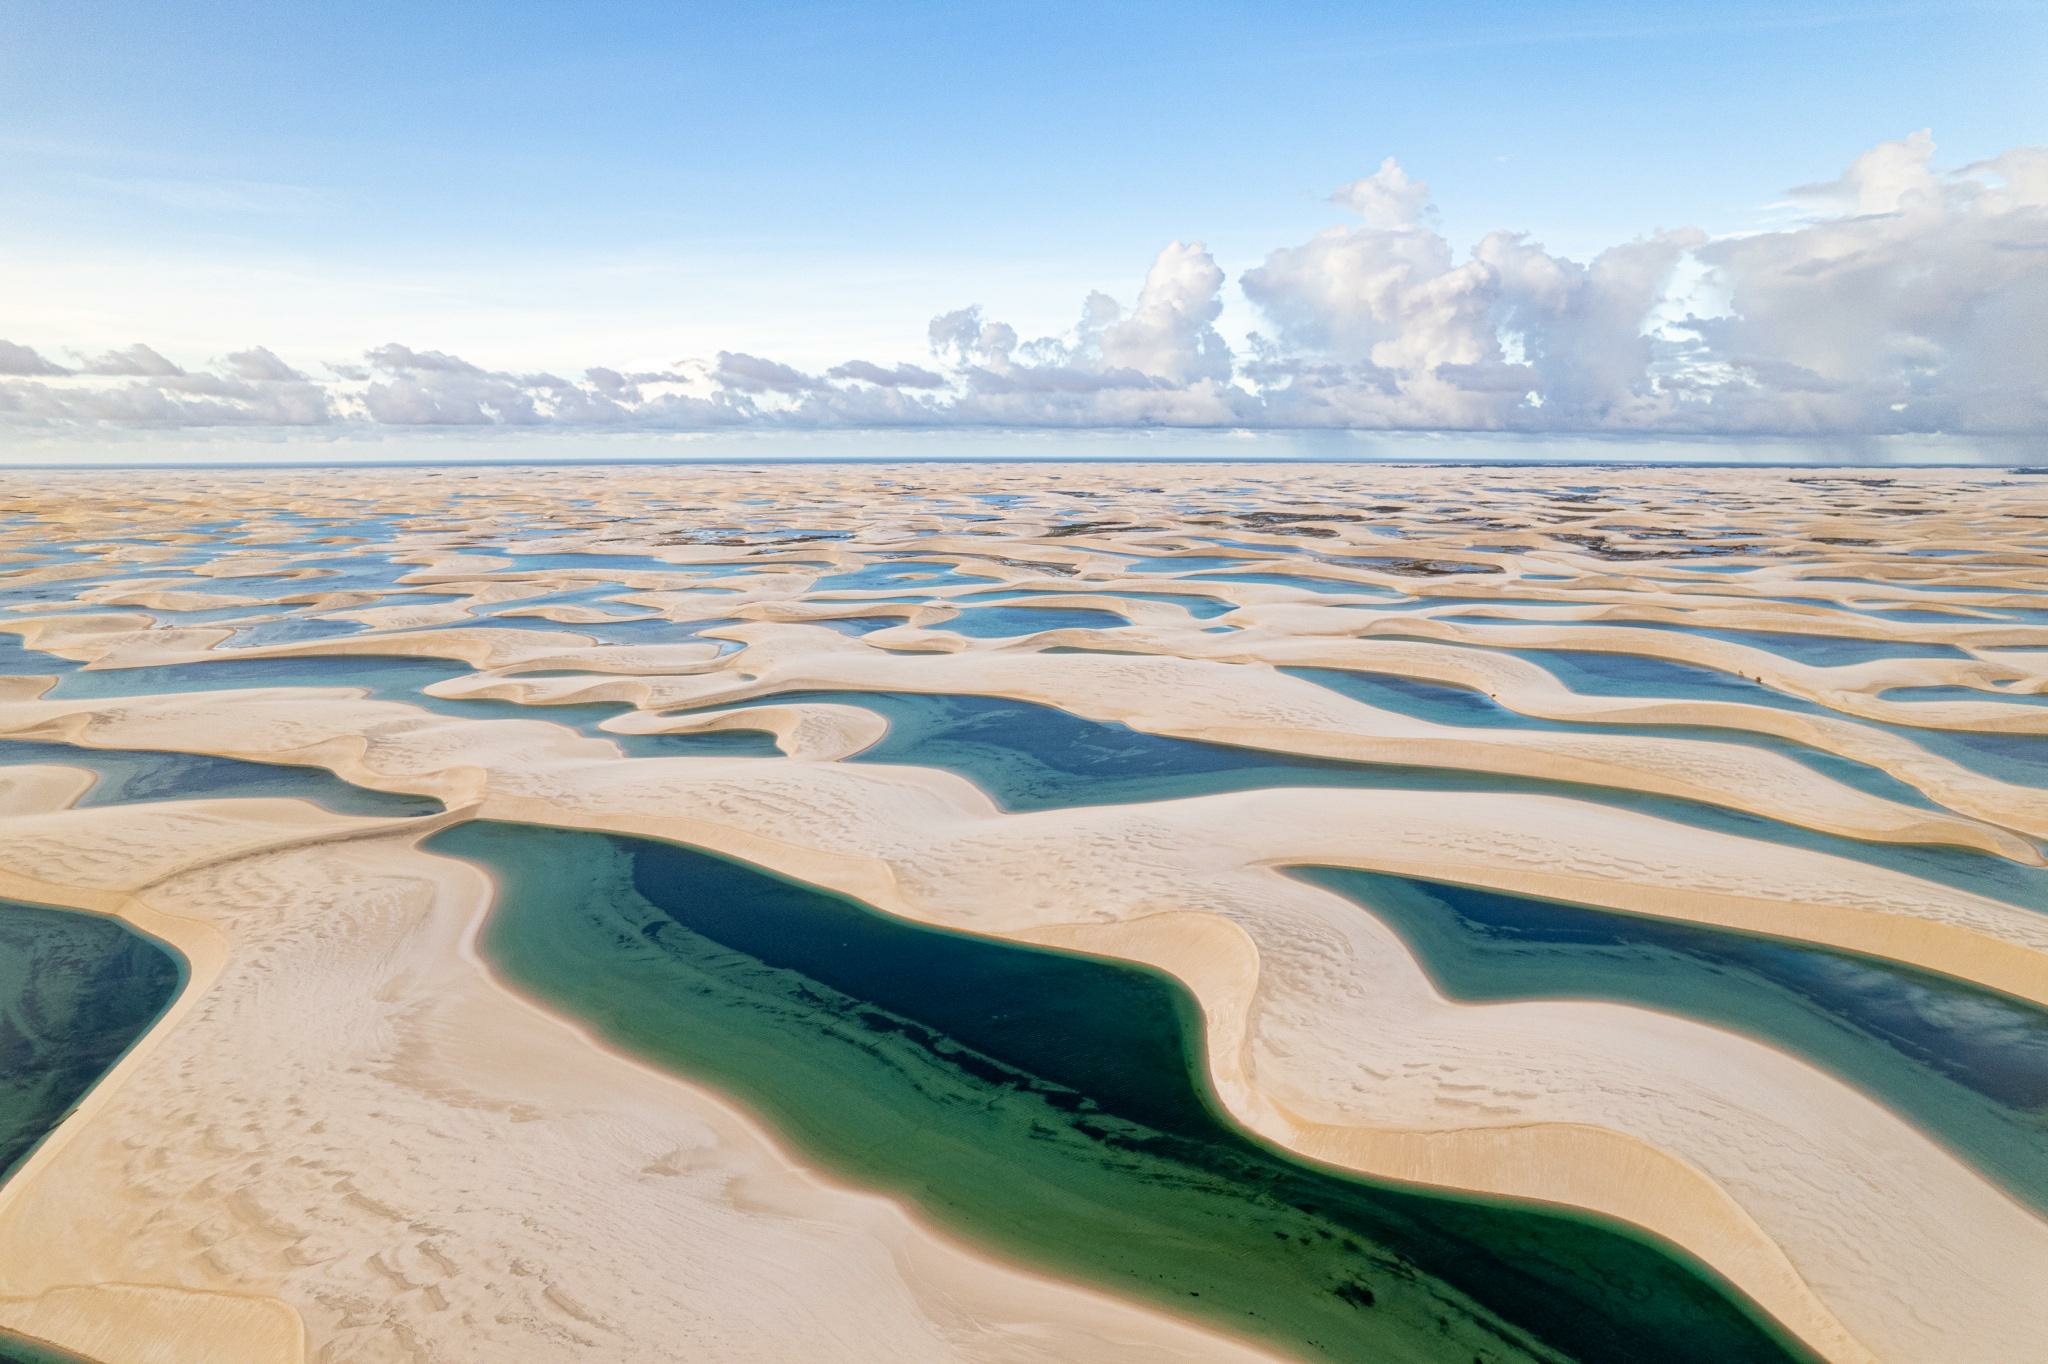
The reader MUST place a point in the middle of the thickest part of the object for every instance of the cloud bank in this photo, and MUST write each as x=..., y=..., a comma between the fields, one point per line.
x=1904, y=299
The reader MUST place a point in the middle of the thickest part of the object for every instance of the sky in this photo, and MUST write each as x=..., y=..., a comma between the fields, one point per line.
x=343, y=228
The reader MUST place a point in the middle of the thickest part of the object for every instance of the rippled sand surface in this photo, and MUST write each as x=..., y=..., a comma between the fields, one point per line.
x=1659, y=847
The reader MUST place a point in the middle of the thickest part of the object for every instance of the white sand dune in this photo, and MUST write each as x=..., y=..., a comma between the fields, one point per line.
x=346, y=1142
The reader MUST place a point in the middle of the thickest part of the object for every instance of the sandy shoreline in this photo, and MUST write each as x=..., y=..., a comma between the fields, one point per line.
x=536, y=1069
x=1856, y=1231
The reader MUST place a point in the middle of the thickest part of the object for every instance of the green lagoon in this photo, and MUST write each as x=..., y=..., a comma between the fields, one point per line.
x=1051, y=1106
x=76, y=992
x=15, y=1349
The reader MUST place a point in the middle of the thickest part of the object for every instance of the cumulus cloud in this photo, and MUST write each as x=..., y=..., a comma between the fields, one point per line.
x=1387, y=199
x=393, y=358
x=1882, y=179
x=23, y=361
x=740, y=373
x=896, y=376
x=964, y=338
x=136, y=361
x=1171, y=332
x=259, y=365
x=1906, y=298
x=1379, y=324
x=1920, y=306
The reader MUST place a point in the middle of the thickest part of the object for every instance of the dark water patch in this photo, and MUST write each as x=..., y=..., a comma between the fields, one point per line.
x=1962, y=868
x=713, y=743
x=385, y=679
x=1964, y=1064
x=130, y=776
x=76, y=992
x=1973, y=694
x=2020, y=759
x=1053, y=1106
x=1597, y=672
x=19, y=1349
x=1448, y=704
x=18, y=660
x=1410, y=566
x=1031, y=757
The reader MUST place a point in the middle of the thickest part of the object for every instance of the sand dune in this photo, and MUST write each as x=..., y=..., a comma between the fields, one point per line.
x=248, y=1175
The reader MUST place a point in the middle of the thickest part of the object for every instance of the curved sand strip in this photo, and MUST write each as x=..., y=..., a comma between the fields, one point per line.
x=400, y=1144
x=1258, y=708
x=1524, y=687
x=1319, y=1044
x=751, y=809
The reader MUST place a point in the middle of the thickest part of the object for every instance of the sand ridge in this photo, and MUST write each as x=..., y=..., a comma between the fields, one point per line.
x=1854, y=1229
x=387, y=1179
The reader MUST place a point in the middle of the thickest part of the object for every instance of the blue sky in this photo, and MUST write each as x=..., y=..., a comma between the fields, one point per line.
x=562, y=186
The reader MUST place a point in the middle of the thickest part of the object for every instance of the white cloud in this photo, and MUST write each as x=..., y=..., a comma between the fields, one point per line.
x=739, y=373
x=896, y=376
x=25, y=360
x=1379, y=324
x=1883, y=179
x=136, y=361
x=1904, y=298
x=1920, y=309
x=964, y=338
x=259, y=365
x=1171, y=333
x=1387, y=199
